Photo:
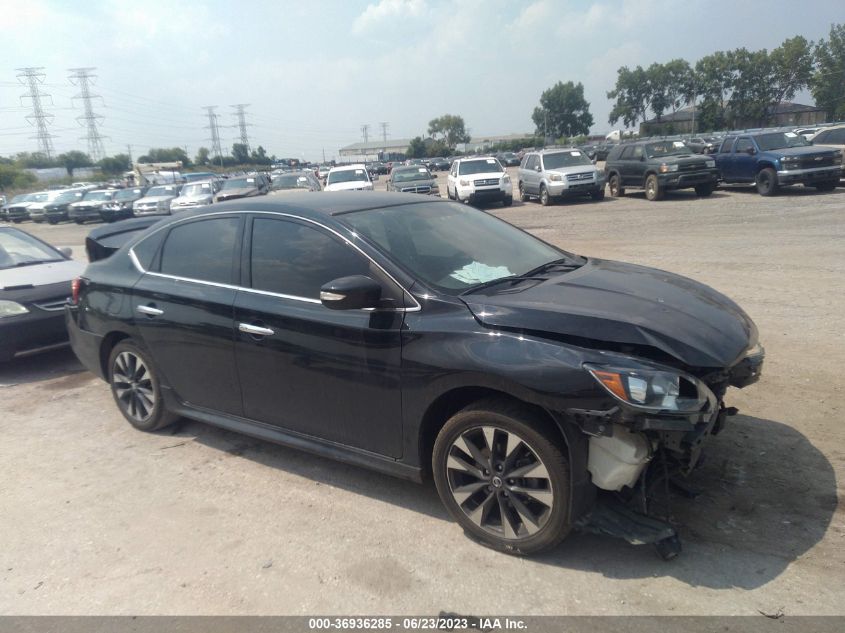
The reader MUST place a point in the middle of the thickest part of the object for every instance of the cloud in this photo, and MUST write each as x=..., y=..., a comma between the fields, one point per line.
x=385, y=10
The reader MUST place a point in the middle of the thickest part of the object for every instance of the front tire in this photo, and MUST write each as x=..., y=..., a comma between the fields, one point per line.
x=830, y=185
x=702, y=191
x=545, y=198
x=522, y=197
x=507, y=201
x=767, y=182
x=598, y=194
x=502, y=478
x=653, y=190
x=136, y=389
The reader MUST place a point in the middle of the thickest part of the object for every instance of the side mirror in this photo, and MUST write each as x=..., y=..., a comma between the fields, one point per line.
x=751, y=151
x=537, y=168
x=66, y=251
x=593, y=160
x=351, y=293
x=375, y=176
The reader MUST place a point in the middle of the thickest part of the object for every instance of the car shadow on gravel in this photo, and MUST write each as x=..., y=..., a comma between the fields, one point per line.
x=57, y=363
x=794, y=190
x=323, y=471
x=768, y=497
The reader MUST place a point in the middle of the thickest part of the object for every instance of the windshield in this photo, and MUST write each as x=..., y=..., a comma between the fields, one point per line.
x=70, y=196
x=19, y=249
x=39, y=197
x=205, y=175
x=483, y=166
x=405, y=175
x=239, y=183
x=99, y=195
x=348, y=175
x=451, y=247
x=565, y=159
x=291, y=181
x=163, y=190
x=779, y=140
x=196, y=189
x=667, y=148
x=23, y=197
x=128, y=194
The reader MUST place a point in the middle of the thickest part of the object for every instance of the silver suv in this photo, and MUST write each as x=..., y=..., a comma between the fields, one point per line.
x=551, y=174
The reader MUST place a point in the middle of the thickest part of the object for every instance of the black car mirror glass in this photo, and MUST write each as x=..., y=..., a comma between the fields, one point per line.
x=355, y=292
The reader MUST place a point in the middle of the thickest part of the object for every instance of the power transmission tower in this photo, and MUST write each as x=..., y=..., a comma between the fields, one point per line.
x=384, y=125
x=81, y=77
x=215, y=132
x=365, y=131
x=33, y=77
x=242, y=124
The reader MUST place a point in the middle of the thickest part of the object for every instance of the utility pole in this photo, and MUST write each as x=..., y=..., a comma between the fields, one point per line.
x=129, y=153
x=384, y=125
x=240, y=113
x=215, y=132
x=81, y=77
x=33, y=78
x=365, y=132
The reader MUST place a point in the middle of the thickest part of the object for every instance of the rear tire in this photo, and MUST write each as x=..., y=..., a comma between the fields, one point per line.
x=615, y=186
x=521, y=196
x=136, y=389
x=80, y=221
x=830, y=185
x=767, y=182
x=653, y=190
x=503, y=478
x=703, y=191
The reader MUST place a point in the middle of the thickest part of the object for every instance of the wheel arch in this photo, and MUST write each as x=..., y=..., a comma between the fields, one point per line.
x=765, y=164
x=563, y=433
x=106, y=346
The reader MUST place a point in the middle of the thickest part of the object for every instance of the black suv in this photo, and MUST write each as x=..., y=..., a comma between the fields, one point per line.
x=657, y=166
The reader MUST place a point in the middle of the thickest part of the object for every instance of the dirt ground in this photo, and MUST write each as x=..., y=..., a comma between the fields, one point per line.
x=96, y=518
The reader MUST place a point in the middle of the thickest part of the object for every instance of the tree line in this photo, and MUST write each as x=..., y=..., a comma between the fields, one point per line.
x=729, y=88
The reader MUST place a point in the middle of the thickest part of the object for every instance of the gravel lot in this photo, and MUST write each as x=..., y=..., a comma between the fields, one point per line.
x=96, y=518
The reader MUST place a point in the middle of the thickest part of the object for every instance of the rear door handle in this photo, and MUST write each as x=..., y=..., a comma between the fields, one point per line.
x=255, y=330
x=149, y=310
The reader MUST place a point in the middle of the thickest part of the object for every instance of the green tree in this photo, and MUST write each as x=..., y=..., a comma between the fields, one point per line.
x=416, y=148
x=631, y=95
x=73, y=160
x=451, y=129
x=563, y=111
x=750, y=96
x=12, y=177
x=35, y=160
x=827, y=83
x=438, y=148
x=114, y=165
x=792, y=67
x=714, y=79
x=166, y=155
x=259, y=156
x=240, y=152
x=202, y=156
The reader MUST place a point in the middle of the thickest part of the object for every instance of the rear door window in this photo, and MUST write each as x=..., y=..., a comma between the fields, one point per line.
x=203, y=250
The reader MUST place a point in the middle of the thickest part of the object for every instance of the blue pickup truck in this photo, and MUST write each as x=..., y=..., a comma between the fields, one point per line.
x=773, y=159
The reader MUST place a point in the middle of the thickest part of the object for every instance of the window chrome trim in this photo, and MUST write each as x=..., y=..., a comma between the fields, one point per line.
x=136, y=262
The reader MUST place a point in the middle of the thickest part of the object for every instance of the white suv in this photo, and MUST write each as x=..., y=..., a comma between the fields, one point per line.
x=479, y=180
x=347, y=178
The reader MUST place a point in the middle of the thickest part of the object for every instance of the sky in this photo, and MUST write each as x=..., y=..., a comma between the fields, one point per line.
x=315, y=72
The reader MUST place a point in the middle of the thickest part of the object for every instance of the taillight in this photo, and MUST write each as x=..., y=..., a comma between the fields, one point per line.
x=75, y=286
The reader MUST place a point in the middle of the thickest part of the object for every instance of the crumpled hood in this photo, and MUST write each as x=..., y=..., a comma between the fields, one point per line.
x=623, y=303
x=40, y=274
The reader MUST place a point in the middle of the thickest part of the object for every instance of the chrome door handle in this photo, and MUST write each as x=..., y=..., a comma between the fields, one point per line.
x=149, y=311
x=255, y=330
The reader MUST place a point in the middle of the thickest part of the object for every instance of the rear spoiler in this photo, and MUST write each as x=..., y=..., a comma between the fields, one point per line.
x=105, y=240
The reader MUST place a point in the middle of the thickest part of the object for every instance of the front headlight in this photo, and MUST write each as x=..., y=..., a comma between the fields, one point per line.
x=666, y=168
x=555, y=177
x=755, y=352
x=11, y=308
x=464, y=183
x=506, y=180
x=710, y=163
x=653, y=389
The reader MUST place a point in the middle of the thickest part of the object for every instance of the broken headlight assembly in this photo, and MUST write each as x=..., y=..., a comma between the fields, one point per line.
x=654, y=390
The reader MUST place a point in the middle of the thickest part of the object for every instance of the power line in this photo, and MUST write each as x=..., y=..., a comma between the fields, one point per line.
x=242, y=124
x=81, y=77
x=365, y=131
x=384, y=125
x=33, y=77
x=215, y=132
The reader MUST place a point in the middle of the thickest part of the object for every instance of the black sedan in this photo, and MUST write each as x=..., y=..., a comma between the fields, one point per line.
x=35, y=283
x=419, y=337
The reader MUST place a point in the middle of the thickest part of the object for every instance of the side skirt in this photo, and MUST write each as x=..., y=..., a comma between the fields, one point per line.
x=323, y=448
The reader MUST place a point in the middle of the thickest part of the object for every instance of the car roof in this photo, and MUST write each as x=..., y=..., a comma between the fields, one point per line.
x=310, y=205
x=345, y=167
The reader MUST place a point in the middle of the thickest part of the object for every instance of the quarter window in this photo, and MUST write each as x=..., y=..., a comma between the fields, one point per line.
x=202, y=250
x=295, y=259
